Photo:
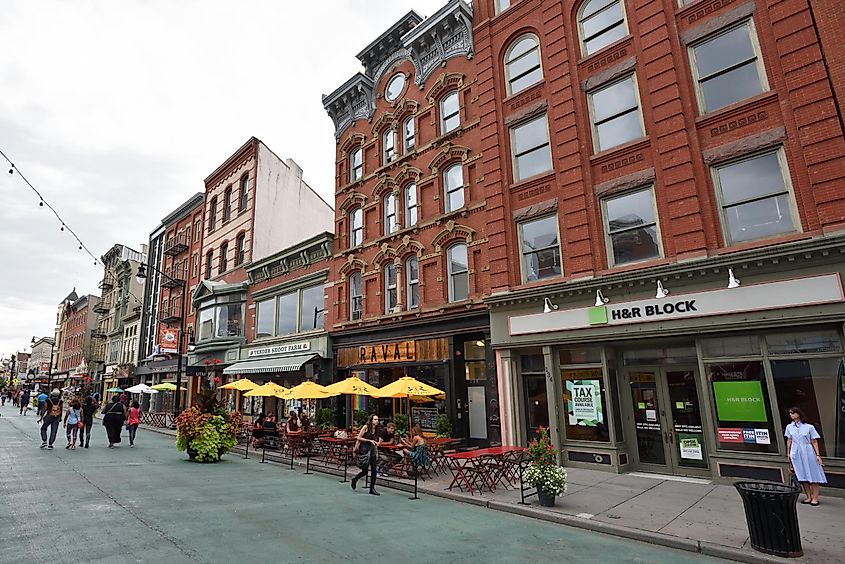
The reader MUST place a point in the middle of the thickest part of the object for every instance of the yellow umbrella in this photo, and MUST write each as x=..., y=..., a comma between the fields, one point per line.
x=308, y=390
x=353, y=387
x=407, y=387
x=268, y=390
x=242, y=385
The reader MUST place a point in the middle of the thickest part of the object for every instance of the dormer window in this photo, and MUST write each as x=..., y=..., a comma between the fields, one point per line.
x=394, y=87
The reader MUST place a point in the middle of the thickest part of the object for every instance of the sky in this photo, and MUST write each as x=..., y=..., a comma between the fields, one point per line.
x=116, y=110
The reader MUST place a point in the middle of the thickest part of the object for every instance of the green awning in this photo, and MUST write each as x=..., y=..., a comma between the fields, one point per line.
x=270, y=365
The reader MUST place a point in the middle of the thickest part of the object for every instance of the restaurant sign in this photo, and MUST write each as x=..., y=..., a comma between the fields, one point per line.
x=404, y=351
x=280, y=349
x=811, y=290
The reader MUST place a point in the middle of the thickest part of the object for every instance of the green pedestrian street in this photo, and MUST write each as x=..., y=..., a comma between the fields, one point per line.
x=150, y=504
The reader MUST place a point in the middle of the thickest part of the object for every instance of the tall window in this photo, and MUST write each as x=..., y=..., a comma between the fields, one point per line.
x=356, y=164
x=388, y=143
x=356, y=297
x=299, y=311
x=450, y=112
x=412, y=282
x=195, y=264
x=410, y=197
x=408, y=136
x=453, y=184
x=390, y=294
x=630, y=226
x=540, y=249
x=264, y=318
x=286, y=315
x=244, y=192
x=616, y=114
x=501, y=5
x=212, y=215
x=312, y=311
x=754, y=194
x=356, y=227
x=601, y=23
x=197, y=230
x=522, y=64
x=224, y=257
x=391, y=225
x=458, y=269
x=530, y=148
x=209, y=264
x=240, y=249
x=728, y=68
x=227, y=204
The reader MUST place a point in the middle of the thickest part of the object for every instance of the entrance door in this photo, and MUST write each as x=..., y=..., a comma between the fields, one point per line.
x=667, y=420
x=477, y=412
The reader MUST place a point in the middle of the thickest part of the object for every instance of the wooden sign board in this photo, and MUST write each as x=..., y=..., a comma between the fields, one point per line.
x=382, y=353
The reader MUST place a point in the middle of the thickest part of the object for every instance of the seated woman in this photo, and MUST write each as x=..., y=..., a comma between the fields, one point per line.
x=417, y=451
x=258, y=430
x=304, y=421
x=292, y=424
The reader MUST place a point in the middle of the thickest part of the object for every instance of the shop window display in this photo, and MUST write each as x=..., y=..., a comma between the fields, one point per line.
x=584, y=402
x=743, y=418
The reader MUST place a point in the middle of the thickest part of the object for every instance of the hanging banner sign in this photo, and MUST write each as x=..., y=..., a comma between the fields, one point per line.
x=168, y=339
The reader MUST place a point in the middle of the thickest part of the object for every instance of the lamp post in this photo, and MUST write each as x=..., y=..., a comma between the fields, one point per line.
x=140, y=276
x=49, y=366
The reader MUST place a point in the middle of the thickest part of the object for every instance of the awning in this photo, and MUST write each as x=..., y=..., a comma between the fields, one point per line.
x=270, y=365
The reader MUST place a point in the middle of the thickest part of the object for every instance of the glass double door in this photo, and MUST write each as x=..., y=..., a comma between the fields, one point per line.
x=667, y=420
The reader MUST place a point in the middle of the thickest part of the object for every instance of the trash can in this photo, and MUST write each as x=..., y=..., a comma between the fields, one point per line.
x=772, y=518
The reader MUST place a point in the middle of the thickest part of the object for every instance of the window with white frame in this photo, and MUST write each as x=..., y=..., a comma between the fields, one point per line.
x=264, y=318
x=312, y=308
x=450, y=112
x=458, y=270
x=356, y=297
x=728, y=68
x=615, y=114
x=411, y=206
x=412, y=282
x=453, y=185
x=356, y=164
x=501, y=5
x=244, y=192
x=754, y=194
x=209, y=264
x=212, y=215
x=522, y=64
x=388, y=143
x=601, y=23
x=298, y=311
x=286, y=314
x=391, y=223
x=356, y=227
x=530, y=148
x=391, y=297
x=409, y=139
x=540, y=248
x=630, y=227
x=227, y=204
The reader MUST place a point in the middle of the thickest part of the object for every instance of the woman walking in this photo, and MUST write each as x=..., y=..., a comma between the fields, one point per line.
x=88, y=409
x=133, y=422
x=115, y=415
x=365, y=450
x=73, y=420
x=805, y=461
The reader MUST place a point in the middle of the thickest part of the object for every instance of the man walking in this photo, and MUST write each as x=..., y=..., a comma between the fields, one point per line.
x=52, y=418
x=24, y=401
x=42, y=399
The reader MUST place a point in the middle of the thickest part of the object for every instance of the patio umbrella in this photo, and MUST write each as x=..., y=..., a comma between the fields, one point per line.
x=309, y=390
x=407, y=387
x=166, y=387
x=242, y=385
x=115, y=390
x=141, y=389
x=268, y=390
x=353, y=386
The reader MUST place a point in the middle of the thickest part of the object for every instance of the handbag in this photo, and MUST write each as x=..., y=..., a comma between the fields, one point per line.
x=363, y=459
x=80, y=425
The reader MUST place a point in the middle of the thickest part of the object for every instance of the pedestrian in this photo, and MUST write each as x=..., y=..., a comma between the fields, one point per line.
x=88, y=410
x=52, y=418
x=133, y=421
x=3, y=395
x=115, y=415
x=805, y=460
x=42, y=401
x=15, y=398
x=24, y=401
x=73, y=421
x=365, y=449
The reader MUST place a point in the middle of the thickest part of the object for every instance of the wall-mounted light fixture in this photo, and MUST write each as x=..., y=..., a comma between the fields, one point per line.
x=733, y=281
x=600, y=299
x=548, y=306
x=661, y=291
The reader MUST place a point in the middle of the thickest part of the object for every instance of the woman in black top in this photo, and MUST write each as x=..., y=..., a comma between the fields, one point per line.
x=365, y=450
x=115, y=415
x=88, y=409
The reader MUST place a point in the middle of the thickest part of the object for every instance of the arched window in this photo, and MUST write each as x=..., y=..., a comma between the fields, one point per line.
x=453, y=187
x=412, y=282
x=522, y=64
x=391, y=223
x=391, y=297
x=388, y=143
x=244, y=192
x=240, y=249
x=410, y=197
x=601, y=23
x=450, y=112
x=209, y=264
x=227, y=204
x=356, y=164
x=409, y=138
x=224, y=256
x=458, y=268
x=356, y=298
x=212, y=215
x=356, y=227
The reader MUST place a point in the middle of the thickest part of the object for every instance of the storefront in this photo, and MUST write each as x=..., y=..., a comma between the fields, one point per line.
x=457, y=361
x=694, y=382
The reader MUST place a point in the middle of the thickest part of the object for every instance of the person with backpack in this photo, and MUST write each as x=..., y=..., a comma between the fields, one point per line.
x=133, y=421
x=52, y=418
x=23, y=400
x=73, y=421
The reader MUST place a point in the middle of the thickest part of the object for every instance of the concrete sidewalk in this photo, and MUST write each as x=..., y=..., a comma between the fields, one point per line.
x=689, y=514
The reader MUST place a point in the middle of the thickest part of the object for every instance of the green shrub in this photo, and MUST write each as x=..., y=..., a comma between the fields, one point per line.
x=401, y=422
x=359, y=416
x=443, y=426
x=325, y=418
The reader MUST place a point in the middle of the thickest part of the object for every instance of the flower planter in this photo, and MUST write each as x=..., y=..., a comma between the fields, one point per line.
x=192, y=456
x=545, y=500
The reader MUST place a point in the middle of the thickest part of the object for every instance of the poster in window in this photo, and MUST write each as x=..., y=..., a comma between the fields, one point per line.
x=584, y=402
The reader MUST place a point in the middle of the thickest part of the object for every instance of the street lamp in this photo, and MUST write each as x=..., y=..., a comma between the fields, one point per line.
x=50, y=366
x=140, y=277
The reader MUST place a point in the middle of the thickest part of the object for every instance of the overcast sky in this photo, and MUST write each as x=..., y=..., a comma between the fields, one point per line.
x=116, y=110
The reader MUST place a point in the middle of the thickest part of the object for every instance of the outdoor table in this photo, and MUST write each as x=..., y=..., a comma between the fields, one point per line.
x=469, y=469
x=436, y=450
x=394, y=458
x=337, y=450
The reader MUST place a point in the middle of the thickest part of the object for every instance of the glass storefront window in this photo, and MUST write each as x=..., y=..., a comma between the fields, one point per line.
x=474, y=360
x=815, y=342
x=536, y=399
x=743, y=417
x=580, y=356
x=733, y=346
x=584, y=402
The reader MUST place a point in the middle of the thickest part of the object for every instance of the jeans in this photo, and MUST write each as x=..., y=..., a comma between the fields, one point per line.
x=85, y=432
x=53, y=424
x=132, y=430
x=72, y=430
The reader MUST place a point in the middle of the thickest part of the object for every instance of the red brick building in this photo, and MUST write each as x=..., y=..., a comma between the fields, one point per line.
x=411, y=262
x=79, y=320
x=639, y=160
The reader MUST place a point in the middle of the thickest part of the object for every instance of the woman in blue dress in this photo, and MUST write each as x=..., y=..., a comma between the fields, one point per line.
x=805, y=461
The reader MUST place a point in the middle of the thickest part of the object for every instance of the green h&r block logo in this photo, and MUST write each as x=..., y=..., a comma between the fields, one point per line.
x=597, y=315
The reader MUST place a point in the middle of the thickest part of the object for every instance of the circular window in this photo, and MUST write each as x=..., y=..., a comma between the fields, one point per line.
x=394, y=87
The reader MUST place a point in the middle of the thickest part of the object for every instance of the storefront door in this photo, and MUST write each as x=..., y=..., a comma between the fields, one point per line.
x=667, y=420
x=477, y=402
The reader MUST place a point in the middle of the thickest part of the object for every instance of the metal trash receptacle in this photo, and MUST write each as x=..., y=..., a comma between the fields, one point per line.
x=772, y=517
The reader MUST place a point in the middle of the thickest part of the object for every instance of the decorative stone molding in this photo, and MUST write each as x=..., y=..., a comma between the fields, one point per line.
x=447, y=153
x=614, y=72
x=385, y=120
x=453, y=231
x=446, y=34
x=751, y=144
x=354, y=199
x=716, y=23
x=354, y=140
x=384, y=186
x=406, y=107
x=535, y=210
x=407, y=174
x=444, y=83
x=531, y=111
x=353, y=101
x=633, y=180
x=409, y=245
x=351, y=264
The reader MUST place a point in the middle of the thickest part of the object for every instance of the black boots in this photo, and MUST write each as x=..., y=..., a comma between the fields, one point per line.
x=354, y=482
x=374, y=492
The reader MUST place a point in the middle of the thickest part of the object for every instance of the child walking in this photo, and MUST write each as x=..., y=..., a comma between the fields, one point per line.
x=133, y=421
x=73, y=418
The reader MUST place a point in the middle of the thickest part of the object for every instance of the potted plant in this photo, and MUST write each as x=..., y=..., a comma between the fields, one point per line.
x=401, y=422
x=359, y=417
x=206, y=430
x=543, y=471
x=325, y=418
x=443, y=427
